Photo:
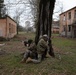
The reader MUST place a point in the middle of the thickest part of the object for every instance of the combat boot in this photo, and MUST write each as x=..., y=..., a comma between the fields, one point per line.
x=29, y=60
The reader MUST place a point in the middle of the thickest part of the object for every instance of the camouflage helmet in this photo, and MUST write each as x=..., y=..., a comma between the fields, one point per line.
x=45, y=36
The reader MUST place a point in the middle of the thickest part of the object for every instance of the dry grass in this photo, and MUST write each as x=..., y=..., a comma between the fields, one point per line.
x=65, y=48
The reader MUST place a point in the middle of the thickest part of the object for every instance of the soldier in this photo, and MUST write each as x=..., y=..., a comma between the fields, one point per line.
x=41, y=48
x=28, y=42
x=30, y=52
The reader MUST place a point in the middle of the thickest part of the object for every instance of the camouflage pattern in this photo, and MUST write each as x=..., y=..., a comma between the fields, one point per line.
x=32, y=48
x=30, y=52
x=41, y=48
x=36, y=61
x=42, y=45
x=36, y=52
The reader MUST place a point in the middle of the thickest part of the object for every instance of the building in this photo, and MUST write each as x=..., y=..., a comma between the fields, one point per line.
x=8, y=27
x=55, y=27
x=68, y=23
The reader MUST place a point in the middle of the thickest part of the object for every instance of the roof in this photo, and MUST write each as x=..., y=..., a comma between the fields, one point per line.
x=68, y=10
x=8, y=17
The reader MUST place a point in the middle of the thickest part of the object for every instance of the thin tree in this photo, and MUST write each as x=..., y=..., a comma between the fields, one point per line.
x=45, y=21
x=2, y=9
x=59, y=8
x=17, y=17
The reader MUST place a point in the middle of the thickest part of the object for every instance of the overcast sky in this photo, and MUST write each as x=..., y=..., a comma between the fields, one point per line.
x=67, y=4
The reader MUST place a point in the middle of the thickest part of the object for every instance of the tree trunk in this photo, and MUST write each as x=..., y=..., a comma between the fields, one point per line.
x=45, y=21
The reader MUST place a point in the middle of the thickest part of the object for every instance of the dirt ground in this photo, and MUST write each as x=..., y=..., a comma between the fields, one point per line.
x=63, y=64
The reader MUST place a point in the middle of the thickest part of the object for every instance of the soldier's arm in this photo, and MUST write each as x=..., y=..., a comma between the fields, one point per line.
x=44, y=44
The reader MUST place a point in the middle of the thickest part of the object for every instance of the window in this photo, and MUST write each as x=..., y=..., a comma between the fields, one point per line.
x=69, y=28
x=12, y=29
x=64, y=29
x=9, y=27
x=64, y=18
x=75, y=14
x=69, y=15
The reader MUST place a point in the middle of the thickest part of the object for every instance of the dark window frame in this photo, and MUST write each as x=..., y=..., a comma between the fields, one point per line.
x=69, y=15
x=69, y=28
x=64, y=18
x=64, y=28
x=74, y=13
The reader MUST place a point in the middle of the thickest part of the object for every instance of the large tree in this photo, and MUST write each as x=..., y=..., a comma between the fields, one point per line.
x=44, y=24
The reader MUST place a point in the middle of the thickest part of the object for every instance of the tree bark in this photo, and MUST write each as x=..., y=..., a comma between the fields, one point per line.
x=45, y=21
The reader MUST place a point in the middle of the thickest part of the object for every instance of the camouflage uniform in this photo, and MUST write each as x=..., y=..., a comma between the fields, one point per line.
x=41, y=47
x=36, y=52
x=30, y=52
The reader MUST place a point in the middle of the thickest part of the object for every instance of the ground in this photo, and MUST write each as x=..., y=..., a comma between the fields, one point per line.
x=63, y=64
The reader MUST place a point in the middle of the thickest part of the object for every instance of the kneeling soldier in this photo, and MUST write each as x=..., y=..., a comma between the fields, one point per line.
x=42, y=46
x=30, y=52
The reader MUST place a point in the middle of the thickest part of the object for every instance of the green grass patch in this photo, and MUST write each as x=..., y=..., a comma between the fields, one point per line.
x=65, y=48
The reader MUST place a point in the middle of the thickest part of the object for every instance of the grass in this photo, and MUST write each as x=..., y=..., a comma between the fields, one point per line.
x=63, y=47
